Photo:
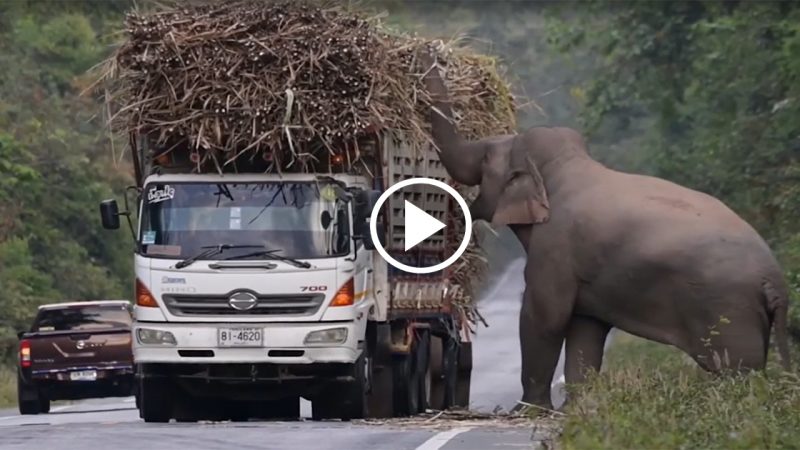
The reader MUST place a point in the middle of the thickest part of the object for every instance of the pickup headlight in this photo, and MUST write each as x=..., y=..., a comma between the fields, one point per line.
x=149, y=336
x=329, y=336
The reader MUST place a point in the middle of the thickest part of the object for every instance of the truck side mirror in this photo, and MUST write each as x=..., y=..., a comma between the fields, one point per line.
x=109, y=214
x=365, y=202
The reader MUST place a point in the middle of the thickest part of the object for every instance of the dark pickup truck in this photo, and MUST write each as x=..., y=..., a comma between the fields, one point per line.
x=73, y=351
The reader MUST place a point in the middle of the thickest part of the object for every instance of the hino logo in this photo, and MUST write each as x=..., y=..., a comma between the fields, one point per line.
x=242, y=301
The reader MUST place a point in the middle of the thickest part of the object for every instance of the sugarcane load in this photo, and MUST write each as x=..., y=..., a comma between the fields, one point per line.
x=294, y=84
x=262, y=136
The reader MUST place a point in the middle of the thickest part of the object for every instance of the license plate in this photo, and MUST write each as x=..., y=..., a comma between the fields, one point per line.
x=83, y=375
x=240, y=337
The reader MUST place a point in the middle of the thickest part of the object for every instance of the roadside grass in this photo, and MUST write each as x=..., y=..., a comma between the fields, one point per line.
x=8, y=386
x=651, y=396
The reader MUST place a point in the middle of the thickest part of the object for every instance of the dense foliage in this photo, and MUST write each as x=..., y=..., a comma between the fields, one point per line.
x=55, y=163
x=651, y=396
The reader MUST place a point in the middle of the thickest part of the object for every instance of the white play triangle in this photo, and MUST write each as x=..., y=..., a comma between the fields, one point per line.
x=419, y=225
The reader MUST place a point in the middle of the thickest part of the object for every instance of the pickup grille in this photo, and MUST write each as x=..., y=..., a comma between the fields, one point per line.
x=266, y=305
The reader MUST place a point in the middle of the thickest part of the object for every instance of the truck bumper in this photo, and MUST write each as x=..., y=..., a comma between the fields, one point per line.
x=283, y=344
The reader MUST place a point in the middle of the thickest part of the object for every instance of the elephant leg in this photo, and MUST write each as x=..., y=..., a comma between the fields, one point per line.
x=546, y=312
x=586, y=338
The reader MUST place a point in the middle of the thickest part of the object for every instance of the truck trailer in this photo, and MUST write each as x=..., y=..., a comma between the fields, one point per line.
x=255, y=287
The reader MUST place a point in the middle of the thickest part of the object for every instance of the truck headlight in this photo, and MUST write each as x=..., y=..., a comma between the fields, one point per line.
x=329, y=336
x=149, y=336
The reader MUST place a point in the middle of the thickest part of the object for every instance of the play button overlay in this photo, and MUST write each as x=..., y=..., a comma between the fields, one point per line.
x=419, y=225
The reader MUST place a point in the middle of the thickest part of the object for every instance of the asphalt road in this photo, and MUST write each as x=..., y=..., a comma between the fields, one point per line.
x=114, y=422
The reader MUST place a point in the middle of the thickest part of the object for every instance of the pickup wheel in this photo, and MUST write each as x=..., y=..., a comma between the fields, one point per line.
x=44, y=403
x=155, y=399
x=28, y=398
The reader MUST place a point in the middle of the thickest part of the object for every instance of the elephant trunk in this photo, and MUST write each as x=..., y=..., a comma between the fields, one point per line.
x=460, y=158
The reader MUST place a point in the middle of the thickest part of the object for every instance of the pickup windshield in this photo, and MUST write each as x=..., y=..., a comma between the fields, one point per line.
x=94, y=317
x=302, y=220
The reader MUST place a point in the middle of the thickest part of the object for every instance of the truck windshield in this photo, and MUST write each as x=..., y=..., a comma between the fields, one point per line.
x=297, y=220
x=94, y=317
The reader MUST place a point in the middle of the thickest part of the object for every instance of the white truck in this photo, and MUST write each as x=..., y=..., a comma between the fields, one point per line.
x=254, y=289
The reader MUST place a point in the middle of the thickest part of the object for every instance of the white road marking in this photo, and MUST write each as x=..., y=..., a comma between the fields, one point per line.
x=60, y=408
x=440, y=439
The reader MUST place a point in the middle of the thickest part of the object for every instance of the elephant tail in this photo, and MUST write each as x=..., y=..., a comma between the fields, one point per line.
x=777, y=298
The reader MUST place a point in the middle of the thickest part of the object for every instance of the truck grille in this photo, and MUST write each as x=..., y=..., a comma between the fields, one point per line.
x=266, y=305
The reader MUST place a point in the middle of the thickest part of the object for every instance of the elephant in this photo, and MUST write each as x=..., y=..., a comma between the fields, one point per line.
x=612, y=249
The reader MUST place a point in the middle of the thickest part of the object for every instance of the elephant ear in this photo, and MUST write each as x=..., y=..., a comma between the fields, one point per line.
x=523, y=200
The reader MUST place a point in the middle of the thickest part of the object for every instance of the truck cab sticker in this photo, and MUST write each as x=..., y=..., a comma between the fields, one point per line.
x=156, y=195
x=328, y=193
x=149, y=237
x=163, y=250
x=236, y=218
x=171, y=280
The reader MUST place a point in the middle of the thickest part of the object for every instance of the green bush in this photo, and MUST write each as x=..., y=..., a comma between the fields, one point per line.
x=654, y=397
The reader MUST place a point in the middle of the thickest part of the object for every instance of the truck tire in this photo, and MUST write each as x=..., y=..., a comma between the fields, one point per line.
x=323, y=406
x=380, y=402
x=345, y=401
x=28, y=398
x=406, y=383
x=464, y=375
x=450, y=378
x=283, y=409
x=423, y=371
x=436, y=370
x=155, y=398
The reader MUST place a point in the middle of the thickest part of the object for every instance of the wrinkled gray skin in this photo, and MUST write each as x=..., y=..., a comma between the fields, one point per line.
x=610, y=249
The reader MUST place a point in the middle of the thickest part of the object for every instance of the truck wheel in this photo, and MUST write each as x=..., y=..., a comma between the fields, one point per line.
x=28, y=398
x=423, y=372
x=285, y=409
x=464, y=374
x=323, y=406
x=355, y=394
x=450, y=372
x=406, y=383
x=186, y=408
x=436, y=370
x=348, y=401
x=380, y=402
x=156, y=402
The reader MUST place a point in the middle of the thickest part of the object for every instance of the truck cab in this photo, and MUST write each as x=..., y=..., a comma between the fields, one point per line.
x=255, y=289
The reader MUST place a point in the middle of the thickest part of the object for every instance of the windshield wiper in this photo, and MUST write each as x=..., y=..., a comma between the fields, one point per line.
x=270, y=254
x=211, y=250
